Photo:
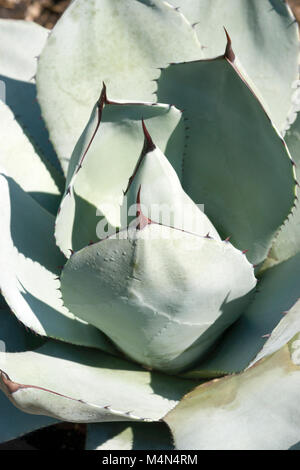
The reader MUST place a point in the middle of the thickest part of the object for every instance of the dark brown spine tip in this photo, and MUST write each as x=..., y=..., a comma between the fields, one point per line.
x=103, y=97
x=11, y=386
x=148, y=143
x=229, y=54
x=149, y=146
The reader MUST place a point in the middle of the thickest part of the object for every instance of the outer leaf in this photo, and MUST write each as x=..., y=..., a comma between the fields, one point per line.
x=31, y=262
x=287, y=242
x=81, y=385
x=233, y=151
x=18, y=62
x=256, y=410
x=277, y=292
x=119, y=42
x=282, y=334
x=20, y=161
x=106, y=154
x=13, y=337
x=266, y=40
x=152, y=284
x=124, y=436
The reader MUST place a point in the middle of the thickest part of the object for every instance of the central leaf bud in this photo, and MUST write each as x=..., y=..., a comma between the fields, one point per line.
x=165, y=287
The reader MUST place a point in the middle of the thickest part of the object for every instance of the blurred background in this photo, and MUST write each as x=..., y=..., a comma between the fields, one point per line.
x=295, y=5
x=44, y=12
x=64, y=436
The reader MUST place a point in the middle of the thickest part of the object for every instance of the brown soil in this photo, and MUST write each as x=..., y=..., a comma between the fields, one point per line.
x=44, y=12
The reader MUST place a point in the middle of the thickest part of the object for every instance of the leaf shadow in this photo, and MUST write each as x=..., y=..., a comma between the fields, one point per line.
x=21, y=97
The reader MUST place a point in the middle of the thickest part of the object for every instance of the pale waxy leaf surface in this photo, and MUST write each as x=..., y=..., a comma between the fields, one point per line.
x=163, y=199
x=128, y=436
x=102, y=162
x=31, y=259
x=84, y=385
x=152, y=284
x=278, y=290
x=235, y=160
x=255, y=410
x=287, y=242
x=266, y=40
x=21, y=162
x=18, y=64
x=121, y=43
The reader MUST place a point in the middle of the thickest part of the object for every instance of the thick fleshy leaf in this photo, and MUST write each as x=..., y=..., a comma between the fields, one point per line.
x=102, y=162
x=266, y=40
x=155, y=183
x=120, y=43
x=20, y=161
x=283, y=333
x=256, y=410
x=278, y=290
x=152, y=284
x=84, y=385
x=235, y=160
x=18, y=63
x=124, y=288
x=31, y=259
x=287, y=242
x=125, y=436
x=14, y=337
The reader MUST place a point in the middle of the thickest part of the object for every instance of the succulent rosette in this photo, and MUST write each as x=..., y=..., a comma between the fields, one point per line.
x=136, y=224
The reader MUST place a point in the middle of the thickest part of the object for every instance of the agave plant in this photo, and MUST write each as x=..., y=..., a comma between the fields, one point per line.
x=151, y=329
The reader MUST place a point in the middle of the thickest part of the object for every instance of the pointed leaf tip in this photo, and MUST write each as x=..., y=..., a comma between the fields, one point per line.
x=229, y=54
x=149, y=146
x=11, y=387
x=103, y=97
x=148, y=143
